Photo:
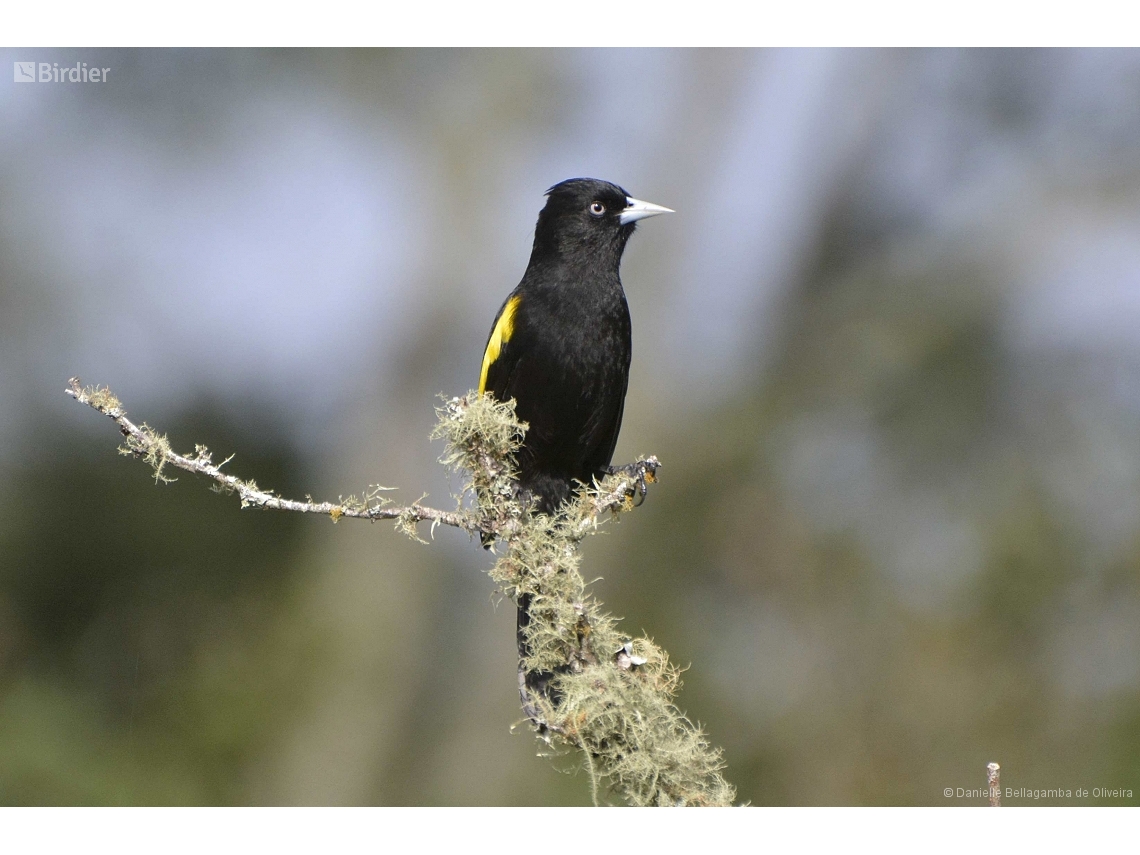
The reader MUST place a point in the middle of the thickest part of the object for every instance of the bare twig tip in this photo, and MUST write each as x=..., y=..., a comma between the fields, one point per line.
x=993, y=783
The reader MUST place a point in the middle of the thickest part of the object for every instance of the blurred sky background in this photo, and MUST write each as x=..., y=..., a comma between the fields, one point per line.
x=888, y=349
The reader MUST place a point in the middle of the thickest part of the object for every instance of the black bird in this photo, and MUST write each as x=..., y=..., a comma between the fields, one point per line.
x=560, y=345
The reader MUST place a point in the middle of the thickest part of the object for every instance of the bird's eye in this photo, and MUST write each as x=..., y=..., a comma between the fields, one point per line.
x=597, y=209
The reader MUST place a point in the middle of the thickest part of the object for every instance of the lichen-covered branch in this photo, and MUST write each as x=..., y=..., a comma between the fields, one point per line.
x=611, y=696
x=153, y=447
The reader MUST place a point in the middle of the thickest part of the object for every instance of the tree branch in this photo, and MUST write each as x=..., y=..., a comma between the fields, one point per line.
x=610, y=696
x=145, y=443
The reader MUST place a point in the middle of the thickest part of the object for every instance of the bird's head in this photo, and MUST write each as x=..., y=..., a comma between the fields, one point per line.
x=585, y=214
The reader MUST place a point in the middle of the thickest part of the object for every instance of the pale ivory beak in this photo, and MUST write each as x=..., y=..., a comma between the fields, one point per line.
x=636, y=210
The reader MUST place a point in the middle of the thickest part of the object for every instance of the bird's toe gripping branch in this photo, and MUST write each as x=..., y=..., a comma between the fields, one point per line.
x=641, y=473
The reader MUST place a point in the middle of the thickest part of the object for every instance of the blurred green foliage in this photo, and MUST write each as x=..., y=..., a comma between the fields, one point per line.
x=859, y=690
x=145, y=658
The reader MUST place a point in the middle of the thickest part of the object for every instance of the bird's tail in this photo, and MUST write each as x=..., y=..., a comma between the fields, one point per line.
x=546, y=495
x=532, y=684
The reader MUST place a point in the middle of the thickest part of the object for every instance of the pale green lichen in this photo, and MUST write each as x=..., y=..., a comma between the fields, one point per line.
x=99, y=397
x=152, y=447
x=612, y=698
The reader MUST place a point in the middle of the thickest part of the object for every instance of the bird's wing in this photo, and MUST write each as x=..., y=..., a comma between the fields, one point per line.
x=609, y=438
x=501, y=332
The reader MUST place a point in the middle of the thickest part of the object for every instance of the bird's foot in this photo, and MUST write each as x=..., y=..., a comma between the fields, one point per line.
x=641, y=472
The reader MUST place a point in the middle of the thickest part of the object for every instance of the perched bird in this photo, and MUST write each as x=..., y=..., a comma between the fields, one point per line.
x=561, y=347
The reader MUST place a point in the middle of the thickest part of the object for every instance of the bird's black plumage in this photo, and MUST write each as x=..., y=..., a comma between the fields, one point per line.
x=561, y=346
x=561, y=343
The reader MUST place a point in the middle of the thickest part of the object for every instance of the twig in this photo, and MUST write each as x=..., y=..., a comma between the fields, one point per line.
x=155, y=449
x=144, y=442
x=993, y=783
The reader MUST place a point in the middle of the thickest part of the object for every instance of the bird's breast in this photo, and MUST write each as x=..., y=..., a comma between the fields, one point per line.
x=582, y=339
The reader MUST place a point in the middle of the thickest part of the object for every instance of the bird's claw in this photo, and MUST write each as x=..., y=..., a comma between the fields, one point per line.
x=643, y=473
x=639, y=489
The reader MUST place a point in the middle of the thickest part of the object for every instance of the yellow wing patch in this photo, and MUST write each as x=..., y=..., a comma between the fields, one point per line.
x=500, y=335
